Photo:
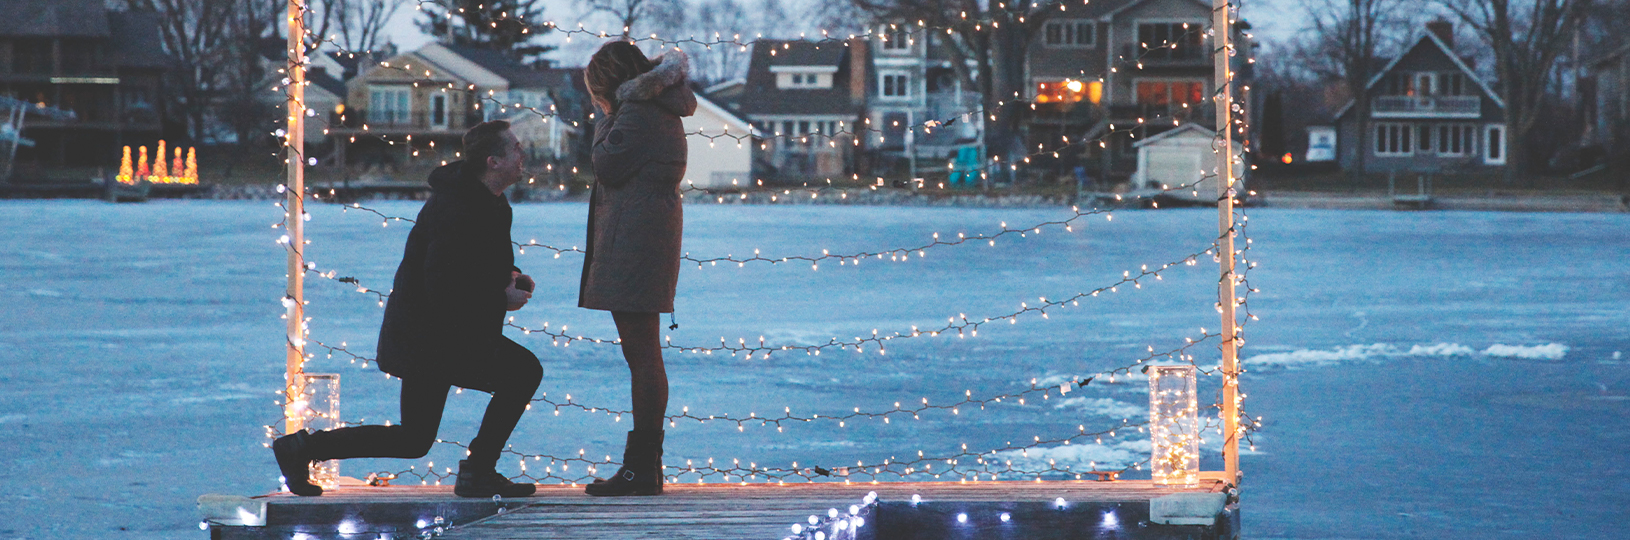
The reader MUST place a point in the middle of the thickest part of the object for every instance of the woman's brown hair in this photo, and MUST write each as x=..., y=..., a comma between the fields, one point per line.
x=615, y=63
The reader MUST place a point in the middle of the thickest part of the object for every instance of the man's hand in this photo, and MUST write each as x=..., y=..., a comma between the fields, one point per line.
x=519, y=290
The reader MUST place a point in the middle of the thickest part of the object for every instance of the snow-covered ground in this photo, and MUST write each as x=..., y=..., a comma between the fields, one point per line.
x=1418, y=374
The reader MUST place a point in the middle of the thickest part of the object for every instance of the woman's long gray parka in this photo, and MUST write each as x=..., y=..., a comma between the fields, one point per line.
x=635, y=217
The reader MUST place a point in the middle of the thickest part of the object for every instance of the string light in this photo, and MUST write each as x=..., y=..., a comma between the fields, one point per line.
x=954, y=462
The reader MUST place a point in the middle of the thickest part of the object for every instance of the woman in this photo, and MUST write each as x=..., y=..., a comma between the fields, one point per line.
x=631, y=265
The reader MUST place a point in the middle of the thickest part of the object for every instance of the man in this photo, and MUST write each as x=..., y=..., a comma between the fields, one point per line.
x=444, y=327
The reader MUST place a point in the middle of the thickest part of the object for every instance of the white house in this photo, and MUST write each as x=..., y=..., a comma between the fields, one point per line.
x=1183, y=157
x=718, y=158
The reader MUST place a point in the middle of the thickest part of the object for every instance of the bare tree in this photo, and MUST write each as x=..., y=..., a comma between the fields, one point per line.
x=720, y=20
x=351, y=25
x=1527, y=37
x=669, y=14
x=1346, y=42
x=196, y=34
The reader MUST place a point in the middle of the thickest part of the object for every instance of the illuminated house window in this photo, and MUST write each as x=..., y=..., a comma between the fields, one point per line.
x=1170, y=92
x=1069, y=92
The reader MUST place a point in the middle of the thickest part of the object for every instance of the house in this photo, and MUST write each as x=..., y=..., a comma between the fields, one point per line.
x=808, y=101
x=1428, y=113
x=1141, y=63
x=914, y=82
x=432, y=95
x=1182, y=161
x=104, y=66
x=325, y=94
x=720, y=147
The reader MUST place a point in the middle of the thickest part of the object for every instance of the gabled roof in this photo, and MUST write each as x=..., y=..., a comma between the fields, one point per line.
x=53, y=18
x=1610, y=55
x=761, y=96
x=135, y=35
x=731, y=118
x=1185, y=128
x=519, y=75
x=1442, y=47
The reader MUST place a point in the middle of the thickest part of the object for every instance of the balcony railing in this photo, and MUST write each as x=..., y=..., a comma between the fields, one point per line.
x=1426, y=107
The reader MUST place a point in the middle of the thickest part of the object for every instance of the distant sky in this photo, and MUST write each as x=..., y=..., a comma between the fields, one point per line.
x=1273, y=21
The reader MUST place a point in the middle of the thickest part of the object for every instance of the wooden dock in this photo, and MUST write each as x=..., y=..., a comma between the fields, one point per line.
x=1133, y=509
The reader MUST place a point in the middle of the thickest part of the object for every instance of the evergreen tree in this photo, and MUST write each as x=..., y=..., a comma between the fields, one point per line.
x=508, y=26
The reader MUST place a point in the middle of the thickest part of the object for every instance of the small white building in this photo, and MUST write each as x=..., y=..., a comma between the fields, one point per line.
x=1183, y=157
x=1321, y=144
x=721, y=147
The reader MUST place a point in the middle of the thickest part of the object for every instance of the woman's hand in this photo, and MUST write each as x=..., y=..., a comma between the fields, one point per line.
x=519, y=290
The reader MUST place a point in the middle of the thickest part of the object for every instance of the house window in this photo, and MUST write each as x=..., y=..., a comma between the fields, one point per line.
x=1452, y=84
x=804, y=80
x=1393, y=139
x=896, y=85
x=1070, y=34
x=388, y=106
x=896, y=39
x=1494, y=141
x=1170, y=92
x=1455, y=139
x=1069, y=92
x=1170, y=41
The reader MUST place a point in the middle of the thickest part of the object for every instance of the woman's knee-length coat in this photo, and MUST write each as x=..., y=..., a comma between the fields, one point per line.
x=635, y=218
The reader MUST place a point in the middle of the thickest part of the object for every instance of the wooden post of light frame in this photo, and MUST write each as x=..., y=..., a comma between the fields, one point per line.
x=295, y=211
x=1222, y=52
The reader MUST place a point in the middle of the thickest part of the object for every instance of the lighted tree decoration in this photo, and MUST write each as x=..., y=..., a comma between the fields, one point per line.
x=161, y=175
x=141, y=166
x=126, y=175
x=192, y=165
x=177, y=169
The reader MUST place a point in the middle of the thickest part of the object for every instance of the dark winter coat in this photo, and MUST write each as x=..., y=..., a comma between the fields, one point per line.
x=635, y=218
x=448, y=305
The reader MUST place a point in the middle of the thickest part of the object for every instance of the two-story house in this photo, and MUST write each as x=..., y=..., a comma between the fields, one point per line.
x=104, y=66
x=1142, y=64
x=915, y=83
x=1428, y=113
x=434, y=94
x=807, y=100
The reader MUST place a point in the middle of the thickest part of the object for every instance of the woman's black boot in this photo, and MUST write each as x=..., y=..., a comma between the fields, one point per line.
x=641, y=473
x=293, y=453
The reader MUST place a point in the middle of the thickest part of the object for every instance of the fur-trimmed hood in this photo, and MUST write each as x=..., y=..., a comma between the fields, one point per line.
x=659, y=84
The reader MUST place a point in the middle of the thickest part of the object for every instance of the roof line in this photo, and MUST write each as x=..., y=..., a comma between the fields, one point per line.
x=1489, y=92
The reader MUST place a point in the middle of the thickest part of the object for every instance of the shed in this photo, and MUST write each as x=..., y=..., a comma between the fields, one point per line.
x=721, y=147
x=1182, y=156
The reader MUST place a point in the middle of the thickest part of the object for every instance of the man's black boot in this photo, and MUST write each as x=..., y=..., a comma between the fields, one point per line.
x=481, y=482
x=293, y=453
x=641, y=473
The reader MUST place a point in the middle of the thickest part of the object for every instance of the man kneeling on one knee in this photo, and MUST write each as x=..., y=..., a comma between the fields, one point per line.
x=444, y=326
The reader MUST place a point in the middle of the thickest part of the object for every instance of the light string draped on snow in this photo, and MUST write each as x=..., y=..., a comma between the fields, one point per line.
x=888, y=466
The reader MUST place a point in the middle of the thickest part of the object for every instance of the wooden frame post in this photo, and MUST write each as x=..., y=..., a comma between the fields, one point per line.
x=1222, y=53
x=294, y=152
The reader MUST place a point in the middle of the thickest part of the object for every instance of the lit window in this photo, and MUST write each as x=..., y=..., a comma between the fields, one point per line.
x=1170, y=92
x=1069, y=92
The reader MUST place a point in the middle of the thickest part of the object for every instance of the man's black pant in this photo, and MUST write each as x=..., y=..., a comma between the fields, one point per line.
x=511, y=375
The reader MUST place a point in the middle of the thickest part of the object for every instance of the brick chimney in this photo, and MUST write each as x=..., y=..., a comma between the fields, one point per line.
x=859, y=58
x=1445, y=31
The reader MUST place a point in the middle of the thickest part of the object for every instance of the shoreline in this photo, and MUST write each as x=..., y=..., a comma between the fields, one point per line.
x=1560, y=201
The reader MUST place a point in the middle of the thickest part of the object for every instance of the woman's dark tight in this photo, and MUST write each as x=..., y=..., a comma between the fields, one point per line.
x=641, y=334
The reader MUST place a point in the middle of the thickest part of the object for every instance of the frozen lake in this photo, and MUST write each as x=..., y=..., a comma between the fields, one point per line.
x=1425, y=374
